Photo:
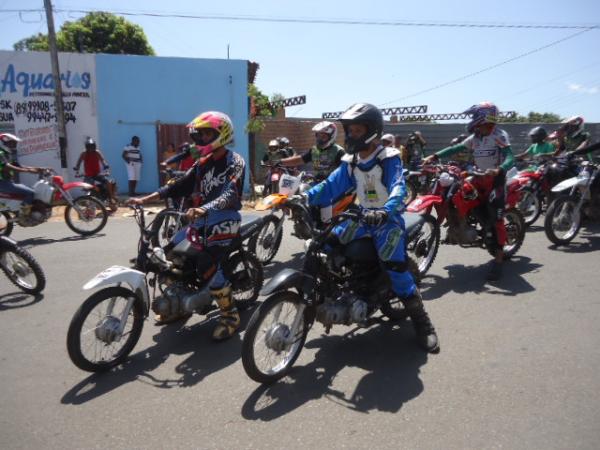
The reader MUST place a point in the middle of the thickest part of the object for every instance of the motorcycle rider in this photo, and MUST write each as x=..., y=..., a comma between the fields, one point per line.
x=539, y=147
x=415, y=150
x=387, y=140
x=91, y=158
x=463, y=158
x=375, y=173
x=9, y=165
x=324, y=156
x=491, y=152
x=275, y=154
x=215, y=185
x=571, y=136
x=285, y=147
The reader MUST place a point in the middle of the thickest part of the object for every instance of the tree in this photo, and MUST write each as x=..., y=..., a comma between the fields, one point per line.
x=533, y=117
x=260, y=108
x=96, y=32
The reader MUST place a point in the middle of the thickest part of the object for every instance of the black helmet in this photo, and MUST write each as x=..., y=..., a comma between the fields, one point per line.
x=537, y=135
x=366, y=114
x=90, y=144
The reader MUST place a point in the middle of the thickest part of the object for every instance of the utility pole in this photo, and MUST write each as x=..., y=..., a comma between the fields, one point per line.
x=60, y=113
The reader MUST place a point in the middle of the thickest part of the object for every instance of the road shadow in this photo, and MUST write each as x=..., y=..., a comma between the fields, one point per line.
x=30, y=242
x=464, y=279
x=205, y=357
x=16, y=300
x=587, y=240
x=388, y=353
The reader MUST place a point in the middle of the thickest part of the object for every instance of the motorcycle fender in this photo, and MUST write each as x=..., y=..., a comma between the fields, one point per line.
x=423, y=203
x=8, y=241
x=135, y=279
x=287, y=279
x=569, y=183
x=270, y=202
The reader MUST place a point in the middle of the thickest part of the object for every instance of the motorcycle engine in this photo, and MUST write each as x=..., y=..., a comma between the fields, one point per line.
x=178, y=298
x=346, y=309
x=39, y=214
x=459, y=231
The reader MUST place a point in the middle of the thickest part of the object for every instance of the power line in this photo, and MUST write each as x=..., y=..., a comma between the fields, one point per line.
x=333, y=21
x=488, y=68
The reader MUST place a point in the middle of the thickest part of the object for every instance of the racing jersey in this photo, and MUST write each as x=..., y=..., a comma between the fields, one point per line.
x=323, y=160
x=213, y=184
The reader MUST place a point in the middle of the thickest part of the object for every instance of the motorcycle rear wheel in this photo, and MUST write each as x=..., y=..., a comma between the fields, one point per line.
x=423, y=247
x=267, y=241
x=93, y=213
x=562, y=212
x=266, y=334
x=515, y=233
x=21, y=268
x=245, y=272
x=530, y=205
x=6, y=224
x=411, y=192
x=101, y=323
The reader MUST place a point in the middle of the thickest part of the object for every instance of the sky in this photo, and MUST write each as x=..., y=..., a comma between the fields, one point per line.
x=337, y=65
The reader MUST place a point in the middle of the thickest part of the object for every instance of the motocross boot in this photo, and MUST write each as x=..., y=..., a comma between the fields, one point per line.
x=426, y=335
x=229, y=321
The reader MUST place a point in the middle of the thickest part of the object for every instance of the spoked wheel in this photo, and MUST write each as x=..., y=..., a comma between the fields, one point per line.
x=166, y=225
x=246, y=276
x=266, y=242
x=530, y=206
x=411, y=192
x=6, y=224
x=515, y=233
x=274, y=337
x=424, y=245
x=86, y=216
x=563, y=220
x=95, y=341
x=21, y=268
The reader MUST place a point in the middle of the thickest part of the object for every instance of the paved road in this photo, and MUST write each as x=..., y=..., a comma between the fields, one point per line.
x=518, y=369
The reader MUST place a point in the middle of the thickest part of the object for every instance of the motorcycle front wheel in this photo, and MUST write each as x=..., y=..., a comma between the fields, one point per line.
x=411, y=192
x=515, y=233
x=246, y=275
x=424, y=245
x=530, y=205
x=86, y=216
x=563, y=220
x=6, y=224
x=271, y=345
x=94, y=342
x=266, y=242
x=21, y=268
x=165, y=225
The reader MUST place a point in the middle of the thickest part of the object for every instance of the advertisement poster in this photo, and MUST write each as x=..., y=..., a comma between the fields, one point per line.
x=27, y=106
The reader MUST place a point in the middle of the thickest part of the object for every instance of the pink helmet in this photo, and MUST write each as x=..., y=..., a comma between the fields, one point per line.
x=484, y=112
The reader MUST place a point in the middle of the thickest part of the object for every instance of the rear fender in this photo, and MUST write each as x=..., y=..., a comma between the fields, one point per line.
x=289, y=279
x=424, y=203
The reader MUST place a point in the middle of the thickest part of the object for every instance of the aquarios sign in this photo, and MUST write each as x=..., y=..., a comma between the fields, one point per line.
x=14, y=81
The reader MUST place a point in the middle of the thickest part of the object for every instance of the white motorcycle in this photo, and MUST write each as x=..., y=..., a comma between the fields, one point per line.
x=579, y=200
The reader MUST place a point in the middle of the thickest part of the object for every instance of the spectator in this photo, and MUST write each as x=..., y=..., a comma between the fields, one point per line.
x=132, y=156
x=169, y=153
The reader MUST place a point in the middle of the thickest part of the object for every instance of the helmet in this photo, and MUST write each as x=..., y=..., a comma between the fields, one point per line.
x=90, y=144
x=329, y=129
x=273, y=145
x=213, y=120
x=484, y=112
x=366, y=114
x=573, y=125
x=8, y=142
x=389, y=138
x=538, y=134
x=458, y=139
x=283, y=142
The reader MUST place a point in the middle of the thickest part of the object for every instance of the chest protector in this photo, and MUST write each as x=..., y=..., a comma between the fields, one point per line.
x=370, y=188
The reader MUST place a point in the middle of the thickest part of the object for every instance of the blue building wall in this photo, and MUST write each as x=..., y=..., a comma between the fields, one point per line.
x=134, y=92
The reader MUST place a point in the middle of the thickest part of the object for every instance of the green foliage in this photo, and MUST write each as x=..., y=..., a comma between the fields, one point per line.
x=534, y=117
x=96, y=32
x=260, y=109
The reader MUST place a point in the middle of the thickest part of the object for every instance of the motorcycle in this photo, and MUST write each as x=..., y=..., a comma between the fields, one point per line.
x=417, y=182
x=266, y=243
x=100, y=188
x=345, y=286
x=84, y=214
x=108, y=324
x=20, y=267
x=276, y=171
x=578, y=200
x=456, y=196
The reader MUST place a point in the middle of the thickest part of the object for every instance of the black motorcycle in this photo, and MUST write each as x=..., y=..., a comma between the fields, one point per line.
x=20, y=267
x=345, y=285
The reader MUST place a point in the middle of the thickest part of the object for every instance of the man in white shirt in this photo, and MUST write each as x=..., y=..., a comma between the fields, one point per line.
x=132, y=156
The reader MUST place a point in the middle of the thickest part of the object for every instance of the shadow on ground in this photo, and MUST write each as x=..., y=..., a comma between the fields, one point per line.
x=15, y=300
x=30, y=242
x=388, y=353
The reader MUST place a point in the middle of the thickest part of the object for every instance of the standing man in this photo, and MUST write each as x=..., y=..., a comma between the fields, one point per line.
x=132, y=156
x=92, y=159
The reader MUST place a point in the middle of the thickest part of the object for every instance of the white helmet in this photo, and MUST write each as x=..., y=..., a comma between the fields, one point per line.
x=388, y=137
x=8, y=142
x=329, y=129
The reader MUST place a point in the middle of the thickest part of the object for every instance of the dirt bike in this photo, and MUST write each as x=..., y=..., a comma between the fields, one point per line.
x=266, y=243
x=84, y=214
x=108, y=324
x=20, y=267
x=344, y=286
x=578, y=199
x=275, y=172
x=417, y=182
x=457, y=196
x=100, y=188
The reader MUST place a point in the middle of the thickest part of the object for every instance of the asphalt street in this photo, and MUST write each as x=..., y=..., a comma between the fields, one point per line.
x=519, y=366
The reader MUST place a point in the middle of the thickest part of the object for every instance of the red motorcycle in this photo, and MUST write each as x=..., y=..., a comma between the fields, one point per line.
x=274, y=173
x=84, y=214
x=457, y=197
